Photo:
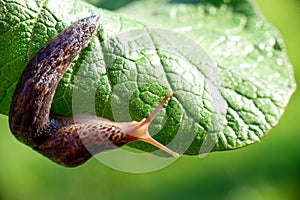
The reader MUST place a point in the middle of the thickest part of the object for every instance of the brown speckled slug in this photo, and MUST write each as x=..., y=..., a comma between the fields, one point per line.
x=60, y=138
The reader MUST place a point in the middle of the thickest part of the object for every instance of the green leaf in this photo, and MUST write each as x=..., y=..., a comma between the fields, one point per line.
x=253, y=79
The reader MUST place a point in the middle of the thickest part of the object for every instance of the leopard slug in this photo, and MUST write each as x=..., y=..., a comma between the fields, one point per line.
x=60, y=138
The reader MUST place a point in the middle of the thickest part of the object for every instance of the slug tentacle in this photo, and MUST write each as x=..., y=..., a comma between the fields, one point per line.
x=62, y=139
x=139, y=130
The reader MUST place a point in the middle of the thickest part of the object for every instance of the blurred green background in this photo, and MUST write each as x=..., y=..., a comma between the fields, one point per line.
x=266, y=170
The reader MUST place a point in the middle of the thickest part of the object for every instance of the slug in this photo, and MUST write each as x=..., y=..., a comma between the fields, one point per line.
x=60, y=138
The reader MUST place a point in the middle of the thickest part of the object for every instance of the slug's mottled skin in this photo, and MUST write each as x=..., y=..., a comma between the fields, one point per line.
x=60, y=138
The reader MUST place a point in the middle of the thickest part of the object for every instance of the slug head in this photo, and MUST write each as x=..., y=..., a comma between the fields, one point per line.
x=138, y=131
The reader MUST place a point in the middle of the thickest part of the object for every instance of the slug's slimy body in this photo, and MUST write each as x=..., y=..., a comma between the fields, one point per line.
x=60, y=138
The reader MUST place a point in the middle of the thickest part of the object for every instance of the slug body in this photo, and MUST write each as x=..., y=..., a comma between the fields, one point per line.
x=60, y=138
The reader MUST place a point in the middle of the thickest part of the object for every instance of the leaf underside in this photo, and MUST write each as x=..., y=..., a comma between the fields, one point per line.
x=253, y=75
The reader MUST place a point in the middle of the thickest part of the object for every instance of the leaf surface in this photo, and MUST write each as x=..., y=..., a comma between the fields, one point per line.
x=240, y=64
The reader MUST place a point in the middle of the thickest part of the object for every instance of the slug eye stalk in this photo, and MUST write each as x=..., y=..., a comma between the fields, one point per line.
x=139, y=130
